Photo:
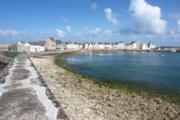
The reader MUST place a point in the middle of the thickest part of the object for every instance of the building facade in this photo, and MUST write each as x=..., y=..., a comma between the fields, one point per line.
x=29, y=47
x=50, y=44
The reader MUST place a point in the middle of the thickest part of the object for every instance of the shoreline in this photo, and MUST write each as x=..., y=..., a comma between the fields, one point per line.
x=131, y=87
x=82, y=99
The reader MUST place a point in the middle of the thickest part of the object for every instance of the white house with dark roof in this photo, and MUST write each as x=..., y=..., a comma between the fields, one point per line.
x=144, y=47
x=30, y=47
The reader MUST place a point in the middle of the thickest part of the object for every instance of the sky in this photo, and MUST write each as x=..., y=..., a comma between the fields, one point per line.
x=156, y=21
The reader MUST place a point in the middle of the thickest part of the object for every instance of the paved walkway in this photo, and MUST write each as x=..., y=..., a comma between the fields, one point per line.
x=23, y=97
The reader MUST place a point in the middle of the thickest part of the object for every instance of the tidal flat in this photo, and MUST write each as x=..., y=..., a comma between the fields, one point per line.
x=132, y=71
x=82, y=98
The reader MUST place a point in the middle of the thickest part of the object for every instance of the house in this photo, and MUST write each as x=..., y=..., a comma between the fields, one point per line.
x=144, y=47
x=170, y=48
x=108, y=46
x=151, y=46
x=61, y=47
x=121, y=45
x=13, y=48
x=88, y=46
x=128, y=46
x=74, y=46
x=30, y=47
x=135, y=45
x=50, y=44
x=101, y=46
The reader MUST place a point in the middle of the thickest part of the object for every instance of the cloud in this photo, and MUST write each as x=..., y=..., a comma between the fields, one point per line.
x=92, y=32
x=108, y=32
x=64, y=19
x=174, y=15
x=171, y=35
x=147, y=17
x=60, y=33
x=97, y=31
x=110, y=16
x=94, y=6
x=9, y=32
x=97, y=34
x=69, y=29
x=178, y=24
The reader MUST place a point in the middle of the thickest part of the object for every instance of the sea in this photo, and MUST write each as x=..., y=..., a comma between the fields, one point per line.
x=153, y=70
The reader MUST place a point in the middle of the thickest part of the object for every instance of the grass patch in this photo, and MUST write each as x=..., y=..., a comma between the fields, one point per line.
x=131, y=87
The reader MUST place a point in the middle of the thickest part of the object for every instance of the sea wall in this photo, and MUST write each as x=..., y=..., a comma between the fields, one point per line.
x=7, y=59
x=61, y=114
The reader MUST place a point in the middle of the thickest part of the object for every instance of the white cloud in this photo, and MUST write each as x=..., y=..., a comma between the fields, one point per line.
x=174, y=15
x=60, y=33
x=108, y=32
x=64, y=19
x=9, y=32
x=178, y=24
x=111, y=16
x=171, y=35
x=69, y=29
x=94, y=6
x=148, y=17
x=97, y=31
x=92, y=32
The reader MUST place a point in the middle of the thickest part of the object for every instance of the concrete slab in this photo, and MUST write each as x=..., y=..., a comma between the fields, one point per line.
x=23, y=97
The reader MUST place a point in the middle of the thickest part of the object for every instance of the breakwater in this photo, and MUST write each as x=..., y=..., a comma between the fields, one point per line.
x=6, y=62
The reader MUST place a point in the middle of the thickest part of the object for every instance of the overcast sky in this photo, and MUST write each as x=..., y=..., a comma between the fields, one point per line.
x=156, y=21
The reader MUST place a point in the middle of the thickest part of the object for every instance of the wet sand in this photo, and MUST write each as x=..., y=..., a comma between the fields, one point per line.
x=81, y=99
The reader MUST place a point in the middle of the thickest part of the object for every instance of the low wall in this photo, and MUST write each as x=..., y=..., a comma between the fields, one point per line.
x=5, y=71
x=7, y=59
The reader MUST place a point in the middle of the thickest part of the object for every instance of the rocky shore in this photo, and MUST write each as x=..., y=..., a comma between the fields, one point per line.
x=81, y=99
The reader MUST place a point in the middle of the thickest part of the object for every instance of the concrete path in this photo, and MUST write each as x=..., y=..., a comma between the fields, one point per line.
x=22, y=96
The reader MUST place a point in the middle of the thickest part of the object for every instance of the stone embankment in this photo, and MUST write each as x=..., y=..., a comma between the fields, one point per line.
x=81, y=99
x=24, y=94
x=6, y=62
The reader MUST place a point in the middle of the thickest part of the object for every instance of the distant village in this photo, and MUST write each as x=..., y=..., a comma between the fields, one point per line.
x=51, y=44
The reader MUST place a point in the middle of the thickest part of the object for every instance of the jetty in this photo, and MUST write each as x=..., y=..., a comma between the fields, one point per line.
x=25, y=96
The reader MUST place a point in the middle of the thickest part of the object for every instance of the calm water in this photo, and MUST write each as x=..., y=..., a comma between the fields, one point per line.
x=144, y=68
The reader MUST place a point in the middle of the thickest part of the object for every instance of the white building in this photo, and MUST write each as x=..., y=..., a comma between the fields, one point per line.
x=30, y=47
x=121, y=45
x=151, y=46
x=128, y=46
x=50, y=44
x=101, y=46
x=144, y=47
x=73, y=46
x=108, y=46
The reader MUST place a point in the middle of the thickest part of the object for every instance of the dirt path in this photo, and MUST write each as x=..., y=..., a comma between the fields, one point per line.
x=22, y=96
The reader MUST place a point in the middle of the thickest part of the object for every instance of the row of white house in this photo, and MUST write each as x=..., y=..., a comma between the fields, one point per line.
x=108, y=46
x=50, y=44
